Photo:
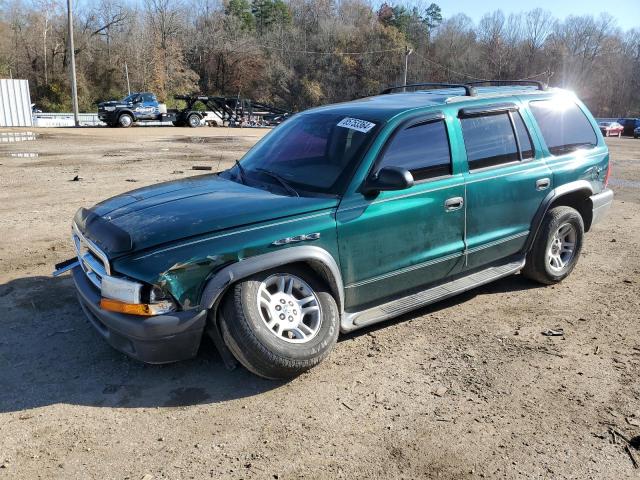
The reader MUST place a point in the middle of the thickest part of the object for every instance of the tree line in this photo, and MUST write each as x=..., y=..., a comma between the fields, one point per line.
x=301, y=53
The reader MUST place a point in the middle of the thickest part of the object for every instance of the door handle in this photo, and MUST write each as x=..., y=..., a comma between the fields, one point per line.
x=452, y=204
x=543, y=183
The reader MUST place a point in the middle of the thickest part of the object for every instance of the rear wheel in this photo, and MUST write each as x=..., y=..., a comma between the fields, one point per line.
x=125, y=120
x=557, y=247
x=280, y=323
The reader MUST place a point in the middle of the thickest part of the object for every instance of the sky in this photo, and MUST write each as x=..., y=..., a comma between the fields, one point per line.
x=626, y=12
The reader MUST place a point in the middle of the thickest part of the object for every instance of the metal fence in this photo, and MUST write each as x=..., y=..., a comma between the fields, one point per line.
x=15, y=103
x=86, y=120
x=65, y=120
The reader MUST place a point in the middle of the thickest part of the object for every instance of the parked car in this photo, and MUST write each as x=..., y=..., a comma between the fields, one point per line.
x=344, y=216
x=629, y=124
x=611, y=129
x=636, y=132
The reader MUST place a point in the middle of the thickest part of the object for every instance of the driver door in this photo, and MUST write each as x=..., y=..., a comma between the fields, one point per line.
x=398, y=241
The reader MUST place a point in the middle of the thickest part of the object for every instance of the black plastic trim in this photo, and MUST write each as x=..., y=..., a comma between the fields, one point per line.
x=488, y=109
x=554, y=194
x=102, y=232
x=468, y=89
x=217, y=285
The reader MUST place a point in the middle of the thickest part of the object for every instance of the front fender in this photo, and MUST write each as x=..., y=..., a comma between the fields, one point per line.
x=316, y=256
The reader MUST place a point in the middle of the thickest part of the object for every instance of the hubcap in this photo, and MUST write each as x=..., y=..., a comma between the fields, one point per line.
x=562, y=247
x=289, y=308
x=125, y=121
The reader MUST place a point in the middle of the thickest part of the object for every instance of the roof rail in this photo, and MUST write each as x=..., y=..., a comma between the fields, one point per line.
x=468, y=88
x=540, y=85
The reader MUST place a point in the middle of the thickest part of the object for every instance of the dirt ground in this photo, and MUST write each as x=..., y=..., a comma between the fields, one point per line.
x=467, y=388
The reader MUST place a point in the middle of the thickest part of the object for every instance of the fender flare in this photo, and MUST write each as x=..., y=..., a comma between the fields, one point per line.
x=218, y=284
x=127, y=111
x=571, y=187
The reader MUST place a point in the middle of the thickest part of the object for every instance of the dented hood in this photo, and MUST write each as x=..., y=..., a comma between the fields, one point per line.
x=181, y=209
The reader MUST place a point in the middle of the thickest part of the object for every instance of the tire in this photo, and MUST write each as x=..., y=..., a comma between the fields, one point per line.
x=549, y=261
x=261, y=349
x=125, y=120
x=193, y=120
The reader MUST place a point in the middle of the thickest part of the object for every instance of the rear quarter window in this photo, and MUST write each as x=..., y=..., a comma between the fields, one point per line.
x=563, y=125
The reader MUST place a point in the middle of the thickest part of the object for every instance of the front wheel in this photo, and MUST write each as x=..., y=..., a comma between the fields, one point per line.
x=125, y=120
x=557, y=246
x=280, y=323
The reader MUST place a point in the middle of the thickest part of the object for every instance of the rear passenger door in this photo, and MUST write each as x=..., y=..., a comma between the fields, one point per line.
x=506, y=181
x=397, y=241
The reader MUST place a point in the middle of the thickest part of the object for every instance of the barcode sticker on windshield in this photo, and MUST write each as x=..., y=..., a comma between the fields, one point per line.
x=356, y=124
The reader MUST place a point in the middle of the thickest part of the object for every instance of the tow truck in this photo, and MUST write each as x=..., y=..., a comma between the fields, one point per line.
x=144, y=107
x=217, y=110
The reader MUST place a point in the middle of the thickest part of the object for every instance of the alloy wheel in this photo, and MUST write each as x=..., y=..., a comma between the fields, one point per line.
x=289, y=308
x=562, y=247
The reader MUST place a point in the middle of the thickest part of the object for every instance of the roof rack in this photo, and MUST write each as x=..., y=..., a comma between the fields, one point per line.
x=468, y=88
x=540, y=85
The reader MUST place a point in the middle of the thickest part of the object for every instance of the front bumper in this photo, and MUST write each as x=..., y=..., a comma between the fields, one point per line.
x=107, y=117
x=159, y=339
x=600, y=205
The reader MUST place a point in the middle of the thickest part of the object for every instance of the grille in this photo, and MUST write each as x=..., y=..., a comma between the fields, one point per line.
x=93, y=261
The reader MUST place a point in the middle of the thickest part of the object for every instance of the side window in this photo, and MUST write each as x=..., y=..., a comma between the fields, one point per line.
x=423, y=149
x=489, y=140
x=524, y=139
x=564, y=126
x=148, y=97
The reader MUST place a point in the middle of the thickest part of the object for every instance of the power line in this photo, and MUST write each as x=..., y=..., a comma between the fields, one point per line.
x=546, y=72
x=311, y=52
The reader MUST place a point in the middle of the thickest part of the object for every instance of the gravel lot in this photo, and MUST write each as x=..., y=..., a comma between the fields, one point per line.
x=467, y=388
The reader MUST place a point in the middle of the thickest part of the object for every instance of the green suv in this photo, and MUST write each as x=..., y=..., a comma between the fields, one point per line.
x=344, y=216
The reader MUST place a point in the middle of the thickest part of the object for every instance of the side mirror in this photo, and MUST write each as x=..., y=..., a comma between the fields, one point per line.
x=389, y=178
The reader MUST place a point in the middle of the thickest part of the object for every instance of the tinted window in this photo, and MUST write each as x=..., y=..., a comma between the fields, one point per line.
x=564, y=126
x=523, y=136
x=422, y=149
x=148, y=97
x=489, y=140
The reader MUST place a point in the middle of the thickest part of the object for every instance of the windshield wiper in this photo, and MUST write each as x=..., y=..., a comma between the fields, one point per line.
x=287, y=186
x=241, y=172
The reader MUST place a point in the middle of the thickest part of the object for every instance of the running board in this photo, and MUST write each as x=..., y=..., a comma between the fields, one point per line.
x=354, y=320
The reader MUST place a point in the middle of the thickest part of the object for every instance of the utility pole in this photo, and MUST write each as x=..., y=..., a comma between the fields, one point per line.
x=74, y=86
x=408, y=51
x=126, y=71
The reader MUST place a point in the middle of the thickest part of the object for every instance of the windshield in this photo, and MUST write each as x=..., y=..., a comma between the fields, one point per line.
x=312, y=152
x=130, y=98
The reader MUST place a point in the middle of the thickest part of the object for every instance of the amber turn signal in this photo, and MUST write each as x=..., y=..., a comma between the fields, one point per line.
x=143, y=309
x=121, y=307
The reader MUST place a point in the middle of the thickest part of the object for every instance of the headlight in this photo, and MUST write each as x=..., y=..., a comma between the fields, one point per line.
x=126, y=296
x=109, y=109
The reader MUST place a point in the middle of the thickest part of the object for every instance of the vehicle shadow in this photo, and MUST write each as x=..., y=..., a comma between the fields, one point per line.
x=49, y=353
x=512, y=283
